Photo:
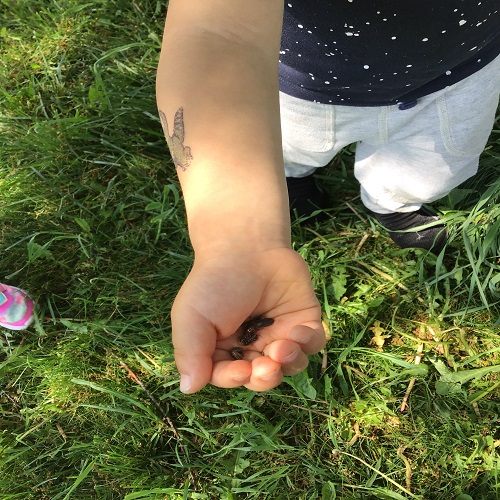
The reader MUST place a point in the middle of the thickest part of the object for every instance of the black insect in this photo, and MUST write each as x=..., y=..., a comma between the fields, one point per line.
x=251, y=329
x=237, y=352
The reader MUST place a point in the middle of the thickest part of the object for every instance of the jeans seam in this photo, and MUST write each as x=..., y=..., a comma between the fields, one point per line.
x=444, y=126
x=330, y=126
x=383, y=125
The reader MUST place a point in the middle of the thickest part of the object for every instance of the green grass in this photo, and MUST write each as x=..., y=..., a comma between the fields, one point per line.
x=91, y=223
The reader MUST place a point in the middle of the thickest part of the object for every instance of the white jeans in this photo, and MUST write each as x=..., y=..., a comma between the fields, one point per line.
x=403, y=157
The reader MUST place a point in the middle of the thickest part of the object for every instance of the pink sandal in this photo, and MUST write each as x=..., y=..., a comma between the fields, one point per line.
x=16, y=308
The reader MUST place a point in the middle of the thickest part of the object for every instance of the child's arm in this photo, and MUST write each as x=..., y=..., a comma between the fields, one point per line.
x=217, y=92
x=219, y=71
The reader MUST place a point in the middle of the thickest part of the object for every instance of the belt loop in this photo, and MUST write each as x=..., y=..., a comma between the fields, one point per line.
x=407, y=105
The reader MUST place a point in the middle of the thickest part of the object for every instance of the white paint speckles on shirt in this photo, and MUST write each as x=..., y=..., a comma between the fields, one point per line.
x=381, y=45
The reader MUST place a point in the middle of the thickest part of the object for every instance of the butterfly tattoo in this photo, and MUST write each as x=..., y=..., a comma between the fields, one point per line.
x=181, y=155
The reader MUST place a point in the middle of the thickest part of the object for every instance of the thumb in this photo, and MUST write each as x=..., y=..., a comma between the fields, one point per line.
x=194, y=339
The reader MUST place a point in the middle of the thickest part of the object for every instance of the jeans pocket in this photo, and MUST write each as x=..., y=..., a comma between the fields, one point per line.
x=467, y=113
x=306, y=127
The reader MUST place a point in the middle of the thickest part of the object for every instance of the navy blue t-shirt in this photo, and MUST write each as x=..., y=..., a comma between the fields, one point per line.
x=381, y=52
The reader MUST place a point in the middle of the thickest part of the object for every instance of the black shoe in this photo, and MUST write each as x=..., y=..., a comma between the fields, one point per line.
x=305, y=197
x=399, y=225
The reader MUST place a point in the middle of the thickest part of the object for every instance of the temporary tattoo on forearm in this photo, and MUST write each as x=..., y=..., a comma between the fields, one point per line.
x=180, y=154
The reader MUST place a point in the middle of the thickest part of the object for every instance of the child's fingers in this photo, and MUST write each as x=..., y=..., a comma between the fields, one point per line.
x=266, y=374
x=194, y=345
x=229, y=374
x=310, y=336
x=289, y=355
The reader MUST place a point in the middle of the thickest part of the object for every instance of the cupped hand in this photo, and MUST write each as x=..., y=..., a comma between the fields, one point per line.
x=220, y=294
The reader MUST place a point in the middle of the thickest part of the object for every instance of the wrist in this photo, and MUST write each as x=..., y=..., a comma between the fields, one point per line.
x=238, y=209
x=228, y=231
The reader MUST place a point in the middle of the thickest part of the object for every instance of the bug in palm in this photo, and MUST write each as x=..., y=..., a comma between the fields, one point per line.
x=237, y=352
x=250, y=333
x=251, y=329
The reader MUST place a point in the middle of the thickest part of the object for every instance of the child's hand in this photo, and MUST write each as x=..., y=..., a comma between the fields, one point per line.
x=221, y=293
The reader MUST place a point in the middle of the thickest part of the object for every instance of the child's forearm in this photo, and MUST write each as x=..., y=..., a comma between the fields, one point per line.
x=217, y=92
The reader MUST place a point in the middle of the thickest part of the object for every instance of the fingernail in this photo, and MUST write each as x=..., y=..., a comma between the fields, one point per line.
x=299, y=337
x=269, y=376
x=291, y=356
x=185, y=383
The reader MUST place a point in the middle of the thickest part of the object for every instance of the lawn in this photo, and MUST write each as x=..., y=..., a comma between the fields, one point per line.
x=403, y=403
